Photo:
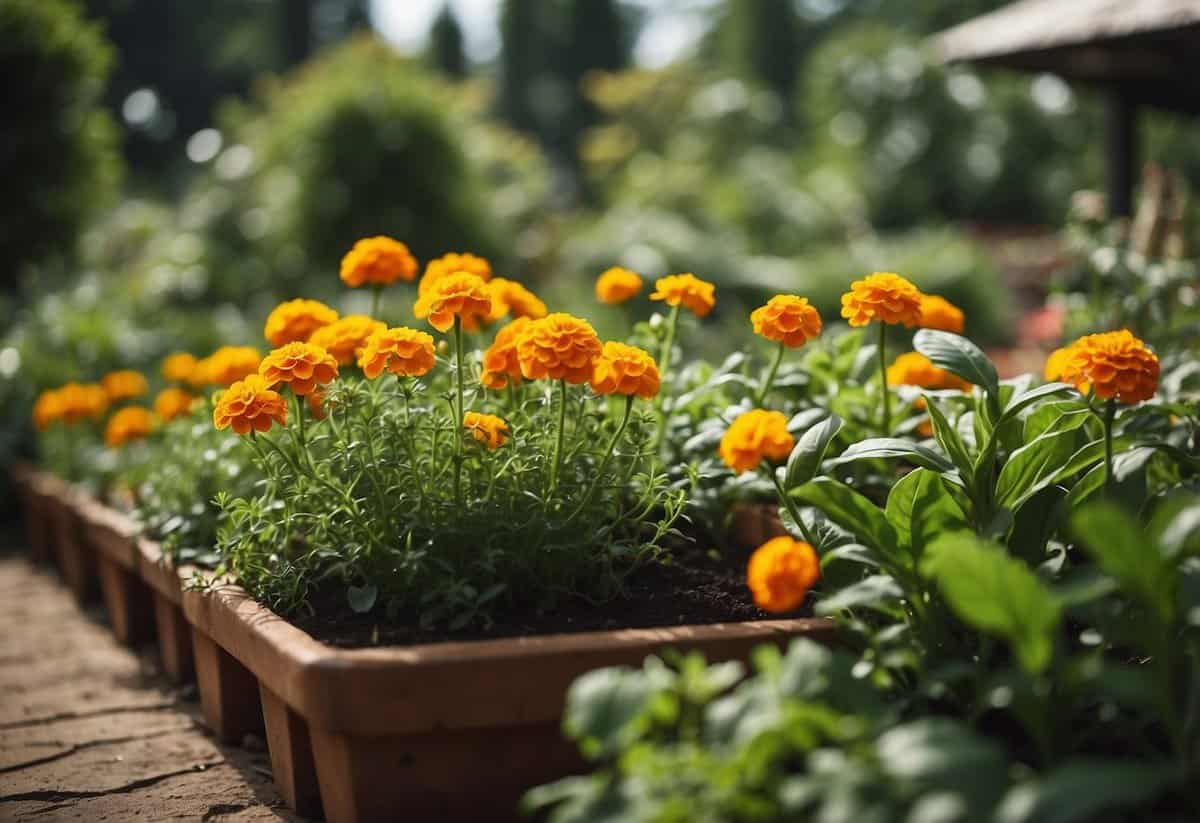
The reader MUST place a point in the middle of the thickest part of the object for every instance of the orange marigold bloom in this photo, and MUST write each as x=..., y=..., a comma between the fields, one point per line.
x=618, y=285
x=317, y=406
x=687, y=290
x=459, y=295
x=787, y=319
x=501, y=365
x=1055, y=364
x=780, y=573
x=403, y=351
x=915, y=369
x=558, y=347
x=939, y=313
x=454, y=263
x=250, y=405
x=488, y=429
x=627, y=370
x=226, y=366
x=123, y=384
x=47, y=409
x=178, y=367
x=1115, y=365
x=173, y=402
x=129, y=423
x=302, y=366
x=882, y=296
x=377, y=261
x=755, y=436
x=345, y=338
x=295, y=321
x=77, y=402
x=509, y=296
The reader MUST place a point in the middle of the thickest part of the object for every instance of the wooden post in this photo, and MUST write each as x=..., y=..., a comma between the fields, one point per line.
x=1122, y=149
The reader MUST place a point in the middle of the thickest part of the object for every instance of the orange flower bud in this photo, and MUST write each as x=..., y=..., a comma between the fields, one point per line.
x=617, y=285
x=781, y=572
x=488, y=429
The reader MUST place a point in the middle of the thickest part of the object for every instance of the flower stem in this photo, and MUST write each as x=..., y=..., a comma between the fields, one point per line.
x=664, y=359
x=558, y=445
x=766, y=386
x=1110, y=411
x=376, y=300
x=460, y=411
x=790, y=505
x=883, y=386
x=612, y=445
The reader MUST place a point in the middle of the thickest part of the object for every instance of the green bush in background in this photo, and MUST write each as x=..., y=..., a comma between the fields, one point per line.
x=58, y=149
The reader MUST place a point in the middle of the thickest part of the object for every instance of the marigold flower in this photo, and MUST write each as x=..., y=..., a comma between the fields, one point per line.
x=377, y=261
x=1115, y=365
x=687, y=290
x=295, y=321
x=882, y=296
x=178, y=367
x=461, y=295
x=80, y=401
x=488, y=429
x=453, y=263
x=403, y=351
x=173, y=402
x=623, y=369
x=317, y=406
x=47, y=408
x=1055, y=364
x=558, y=347
x=124, y=384
x=509, y=296
x=501, y=366
x=302, y=366
x=755, y=436
x=129, y=423
x=939, y=313
x=226, y=366
x=787, y=319
x=915, y=369
x=781, y=572
x=618, y=285
x=345, y=338
x=250, y=405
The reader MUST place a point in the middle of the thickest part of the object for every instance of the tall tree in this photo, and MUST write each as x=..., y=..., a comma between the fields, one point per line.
x=522, y=61
x=596, y=40
x=761, y=42
x=446, y=44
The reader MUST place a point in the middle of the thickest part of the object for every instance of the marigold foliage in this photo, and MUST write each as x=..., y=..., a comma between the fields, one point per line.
x=618, y=285
x=627, y=370
x=178, y=367
x=1115, y=365
x=755, y=436
x=882, y=296
x=377, y=261
x=781, y=572
x=787, y=319
x=128, y=424
x=501, y=366
x=915, y=369
x=488, y=429
x=250, y=405
x=346, y=337
x=301, y=366
x=124, y=384
x=939, y=313
x=173, y=402
x=460, y=295
x=558, y=347
x=295, y=321
x=696, y=295
x=402, y=351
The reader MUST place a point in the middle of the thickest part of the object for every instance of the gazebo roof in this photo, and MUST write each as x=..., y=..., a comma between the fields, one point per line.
x=1146, y=47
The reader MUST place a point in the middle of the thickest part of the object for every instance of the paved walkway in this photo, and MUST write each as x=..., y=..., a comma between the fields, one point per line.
x=90, y=731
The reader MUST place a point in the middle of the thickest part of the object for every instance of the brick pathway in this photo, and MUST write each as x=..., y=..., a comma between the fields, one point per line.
x=90, y=731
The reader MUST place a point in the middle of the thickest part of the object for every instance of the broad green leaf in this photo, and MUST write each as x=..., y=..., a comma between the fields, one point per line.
x=919, y=509
x=1036, y=465
x=950, y=440
x=1026, y=398
x=891, y=447
x=1179, y=533
x=938, y=751
x=997, y=594
x=853, y=512
x=960, y=356
x=1122, y=550
x=1062, y=416
x=805, y=459
x=604, y=706
x=879, y=592
x=1083, y=789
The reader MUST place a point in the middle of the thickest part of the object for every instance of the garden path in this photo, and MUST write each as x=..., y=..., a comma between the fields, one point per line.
x=91, y=731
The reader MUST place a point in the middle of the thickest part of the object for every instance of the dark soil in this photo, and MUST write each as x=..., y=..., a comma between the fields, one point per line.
x=693, y=589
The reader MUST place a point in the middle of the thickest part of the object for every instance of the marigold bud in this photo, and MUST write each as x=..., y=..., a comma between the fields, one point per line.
x=781, y=572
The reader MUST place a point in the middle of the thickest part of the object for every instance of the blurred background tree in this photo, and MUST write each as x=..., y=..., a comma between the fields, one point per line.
x=446, y=44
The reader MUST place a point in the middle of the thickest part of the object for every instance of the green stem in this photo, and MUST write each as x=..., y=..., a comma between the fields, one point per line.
x=790, y=505
x=1110, y=411
x=460, y=412
x=558, y=444
x=376, y=300
x=664, y=358
x=766, y=386
x=883, y=386
x=612, y=445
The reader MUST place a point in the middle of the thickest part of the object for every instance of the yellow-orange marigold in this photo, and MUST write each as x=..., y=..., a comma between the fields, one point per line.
x=755, y=436
x=618, y=285
x=226, y=366
x=915, y=369
x=178, y=367
x=1055, y=364
x=460, y=295
x=377, y=261
x=302, y=366
x=250, y=405
x=173, y=402
x=1115, y=365
x=787, y=319
x=488, y=429
x=47, y=409
x=76, y=402
x=939, y=313
x=295, y=320
x=124, y=384
x=510, y=297
x=453, y=263
x=501, y=365
x=558, y=347
x=129, y=423
x=345, y=338
x=403, y=351
x=781, y=572
x=627, y=370
x=696, y=295
x=882, y=296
